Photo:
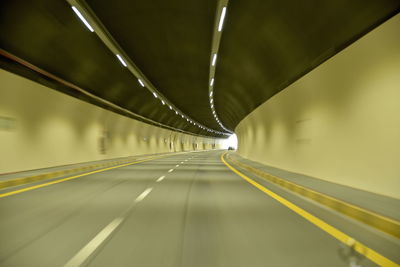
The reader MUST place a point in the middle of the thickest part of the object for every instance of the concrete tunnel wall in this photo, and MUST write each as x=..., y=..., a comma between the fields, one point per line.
x=340, y=122
x=41, y=127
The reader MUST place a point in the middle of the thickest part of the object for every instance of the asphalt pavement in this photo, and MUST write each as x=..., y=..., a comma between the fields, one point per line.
x=184, y=210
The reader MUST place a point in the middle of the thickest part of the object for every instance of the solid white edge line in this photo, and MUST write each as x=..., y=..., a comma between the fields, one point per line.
x=87, y=250
x=160, y=179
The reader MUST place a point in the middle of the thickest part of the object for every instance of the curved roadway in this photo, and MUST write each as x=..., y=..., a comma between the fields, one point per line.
x=184, y=210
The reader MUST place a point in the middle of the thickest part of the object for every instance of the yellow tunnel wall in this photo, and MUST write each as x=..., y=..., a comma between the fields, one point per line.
x=340, y=122
x=41, y=127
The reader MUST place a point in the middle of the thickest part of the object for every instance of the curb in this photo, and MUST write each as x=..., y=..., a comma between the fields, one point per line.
x=385, y=224
x=45, y=176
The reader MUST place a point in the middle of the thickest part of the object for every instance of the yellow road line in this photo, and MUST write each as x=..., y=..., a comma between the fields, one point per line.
x=339, y=235
x=76, y=176
x=378, y=221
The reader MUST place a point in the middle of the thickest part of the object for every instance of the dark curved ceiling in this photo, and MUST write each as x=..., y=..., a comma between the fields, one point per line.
x=265, y=46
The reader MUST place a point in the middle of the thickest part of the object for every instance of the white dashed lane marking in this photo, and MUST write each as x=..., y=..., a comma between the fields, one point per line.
x=143, y=194
x=83, y=254
x=171, y=170
x=87, y=250
x=160, y=179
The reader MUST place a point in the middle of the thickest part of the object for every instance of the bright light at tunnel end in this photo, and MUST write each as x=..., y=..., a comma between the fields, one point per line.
x=230, y=142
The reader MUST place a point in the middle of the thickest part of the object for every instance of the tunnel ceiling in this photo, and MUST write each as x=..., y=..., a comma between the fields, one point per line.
x=265, y=46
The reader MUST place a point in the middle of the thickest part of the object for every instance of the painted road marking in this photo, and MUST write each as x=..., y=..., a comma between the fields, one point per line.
x=87, y=250
x=143, y=194
x=339, y=235
x=171, y=170
x=177, y=166
x=181, y=162
x=160, y=179
x=76, y=176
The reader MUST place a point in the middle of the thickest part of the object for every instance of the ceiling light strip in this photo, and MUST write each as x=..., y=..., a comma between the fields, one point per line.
x=141, y=83
x=82, y=18
x=90, y=95
x=121, y=60
x=84, y=13
x=214, y=60
x=221, y=13
x=221, y=19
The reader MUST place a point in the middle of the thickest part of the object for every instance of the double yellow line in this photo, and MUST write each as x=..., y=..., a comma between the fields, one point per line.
x=339, y=235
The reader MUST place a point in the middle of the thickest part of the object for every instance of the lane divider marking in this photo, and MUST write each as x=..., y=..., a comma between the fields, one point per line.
x=83, y=254
x=177, y=165
x=143, y=194
x=5, y=184
x=74, y=177
x=87, y=250
x=171, y=170
x=336, y=233
x=160, y=179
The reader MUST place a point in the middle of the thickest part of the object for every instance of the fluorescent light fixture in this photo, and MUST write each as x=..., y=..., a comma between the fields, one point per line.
x=141, y=83
x=176, y=112
x=214, y=59
x=212, y=82
x=221, y=19
x=122, y=61
x=170, y=107
x=155, y=95
x=82, y=18
x=162, y=101
x=211, y=100
x=211, y=93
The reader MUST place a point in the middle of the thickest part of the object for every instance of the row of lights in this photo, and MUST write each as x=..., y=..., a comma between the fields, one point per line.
x=142, y=83
x=213, y=63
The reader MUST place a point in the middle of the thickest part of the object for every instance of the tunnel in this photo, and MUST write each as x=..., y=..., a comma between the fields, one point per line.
x=199, y=133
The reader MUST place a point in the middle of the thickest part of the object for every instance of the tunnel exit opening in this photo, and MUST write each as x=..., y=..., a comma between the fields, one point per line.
x=230, y=142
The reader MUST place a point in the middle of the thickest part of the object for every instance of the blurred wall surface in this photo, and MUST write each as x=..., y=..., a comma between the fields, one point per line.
x=340, y=122
x=41, y=127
